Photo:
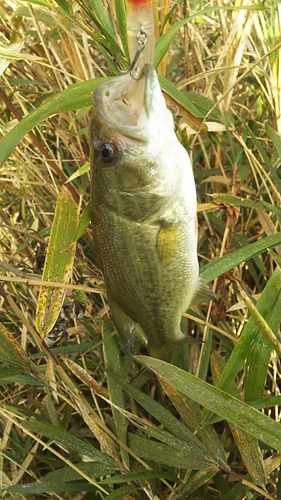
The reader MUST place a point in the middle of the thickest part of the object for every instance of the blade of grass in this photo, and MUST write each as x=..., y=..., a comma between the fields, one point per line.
x=103, y=38
x=173, y=456
x=242, y=202
x=267, y=160
x=197, y=480
x=268, y=306
x=58, y=262
x=247, y=445
x=121, y=493
x=85, y=220
x=178, y=96
x=66, y=474
x=256, y=367
x=274, y=137
x=163, y=43
x=220, y=266
x=167, y=419
x=97, y=11
x=217, y=401
x=75, y=97
x=11, y=351
x=136, y=476
x=120, y=14
x=112, y=361
x=70, y=441
x=36, y=488
x=192, y=416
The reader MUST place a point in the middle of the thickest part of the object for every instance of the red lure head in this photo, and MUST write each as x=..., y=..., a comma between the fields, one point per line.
x=138, y=3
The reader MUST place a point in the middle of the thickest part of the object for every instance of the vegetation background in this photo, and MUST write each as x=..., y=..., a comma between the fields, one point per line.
x=88, y=420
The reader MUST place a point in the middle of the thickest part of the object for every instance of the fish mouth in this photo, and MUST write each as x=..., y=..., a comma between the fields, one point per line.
x=127, y=105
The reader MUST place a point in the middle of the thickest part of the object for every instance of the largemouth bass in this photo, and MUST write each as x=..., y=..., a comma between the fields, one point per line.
x=143, y=205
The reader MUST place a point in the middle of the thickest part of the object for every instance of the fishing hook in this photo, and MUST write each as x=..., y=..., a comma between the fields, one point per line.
x=142, y=39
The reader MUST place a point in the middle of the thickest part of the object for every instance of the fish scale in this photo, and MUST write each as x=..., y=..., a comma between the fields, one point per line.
x=148, y=290
x=143, y=205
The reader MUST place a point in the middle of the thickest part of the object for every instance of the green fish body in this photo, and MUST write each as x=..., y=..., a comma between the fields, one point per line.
x=143, y=205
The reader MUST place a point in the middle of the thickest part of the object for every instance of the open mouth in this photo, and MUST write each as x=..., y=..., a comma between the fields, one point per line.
x=121, y=101
x=126, y=104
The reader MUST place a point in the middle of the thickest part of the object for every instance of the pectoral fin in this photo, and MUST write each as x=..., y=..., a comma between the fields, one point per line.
x=124, y=324
x=167, y=242
x=202, y=293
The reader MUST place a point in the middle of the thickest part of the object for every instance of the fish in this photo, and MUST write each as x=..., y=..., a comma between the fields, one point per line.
x=143, y=212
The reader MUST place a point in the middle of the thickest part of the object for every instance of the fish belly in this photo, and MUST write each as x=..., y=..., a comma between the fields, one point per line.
x=151, y=272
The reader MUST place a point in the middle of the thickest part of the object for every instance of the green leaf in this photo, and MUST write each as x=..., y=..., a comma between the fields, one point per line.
x=248, y=446
x=105, y=36
x=203, y=105
x=191, y=454
x=217, y=401
x=121, y=493
x=100, y=15
x=81, y=171
x=120, y=11
x=40, y=2
x=170, y=13
x=163, y=43
x=274, y=137
x=191, y=415
x=12, y=372
x=137, y=476
x=75, y=97
x=267, y=160
x=173, y=456
x=166, y=418
x=223, y=264
x=199, y=478
x=255, y=265
x=58, y=487
x=178, y=95
x=259, y=354
x=268, y=306
x=13, y=354
x=243, y=202
x=265, y=402
x=83, y=223
x=69, y=440
x=112, y=359
x=7, y=54
x=65, y=5
x=11, y=351
x=58, y=262
x=24, y=379
x=68, y=474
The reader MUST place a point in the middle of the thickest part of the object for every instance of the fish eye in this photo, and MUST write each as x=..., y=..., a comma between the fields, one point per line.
x=107, y=152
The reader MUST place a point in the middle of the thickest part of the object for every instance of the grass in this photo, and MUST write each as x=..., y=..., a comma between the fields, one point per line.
x=86, y=419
